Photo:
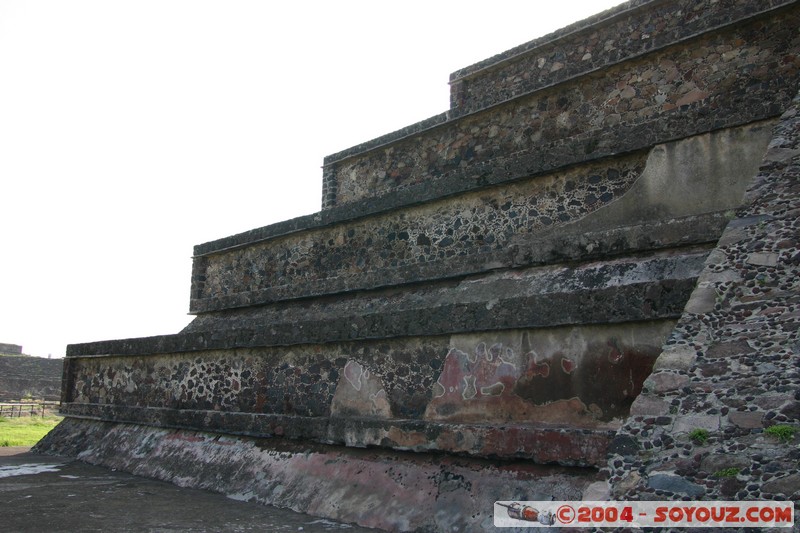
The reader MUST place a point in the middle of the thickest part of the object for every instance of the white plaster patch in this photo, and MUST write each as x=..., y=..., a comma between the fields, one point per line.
x=242, y=496
x=380, y=403
x=28, y=469
x=493, y=390
x=469, y=388
x=365, y=393
x=353, y=372
x=509, y=359
x=327, y=524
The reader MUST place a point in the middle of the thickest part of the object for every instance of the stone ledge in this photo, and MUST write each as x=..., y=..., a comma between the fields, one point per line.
x=542, y=445
x=546, y=158
x=416, y=491
x=644, y=303
x=635, y=28
x=622, y=290
x=567, y=244
x=707, y=21
x=491, y=134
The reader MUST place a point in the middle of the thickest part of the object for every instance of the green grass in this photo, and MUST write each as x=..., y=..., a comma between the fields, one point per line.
x=26, y=430
x=699, y=435
x=782, y=432
x=727, y=472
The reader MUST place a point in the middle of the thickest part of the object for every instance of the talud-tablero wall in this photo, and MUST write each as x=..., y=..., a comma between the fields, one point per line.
x=523, y=297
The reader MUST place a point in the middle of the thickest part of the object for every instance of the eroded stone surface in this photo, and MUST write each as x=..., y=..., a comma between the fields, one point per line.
x=746, y=344
x=394, y=492
x=467, y=393
x=479, y=230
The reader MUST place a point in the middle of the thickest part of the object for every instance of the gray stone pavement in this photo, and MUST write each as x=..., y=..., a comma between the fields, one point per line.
x=42, y=494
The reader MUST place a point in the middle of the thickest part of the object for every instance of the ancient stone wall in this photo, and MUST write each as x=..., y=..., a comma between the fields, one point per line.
x=689, y=179
x=624, y=100
x=10, y=349
x=624, y=33
x=729, y=371
x=29, y=377
x=498, y=283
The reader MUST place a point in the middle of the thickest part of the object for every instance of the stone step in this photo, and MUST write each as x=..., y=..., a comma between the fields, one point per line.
x=629, y=289
x=672, y=195
x=393, y=492
x=540, y=108
x=445, y=393
x=543, y=444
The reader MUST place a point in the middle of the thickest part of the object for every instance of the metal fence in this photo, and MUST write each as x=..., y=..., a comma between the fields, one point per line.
x=19, y=409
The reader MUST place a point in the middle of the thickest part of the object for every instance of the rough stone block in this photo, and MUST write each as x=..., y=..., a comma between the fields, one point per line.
x=773, y=401
x=781, y=154
x=676, y=357
x=624, y=445
x=763, y=259
x=673, y=483
x=687, y=423
x=629, y=482
x=714, y=278
x=730, y=348
x=702, y=299
x=787, y=485
x=647, y=405
x=597, y=491
x=663, y=381
x=720, y=461
x=746, y=419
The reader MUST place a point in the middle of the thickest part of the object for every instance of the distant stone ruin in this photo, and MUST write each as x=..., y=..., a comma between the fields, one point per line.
x=10, y=349
x=26, y=377
x=539, y=294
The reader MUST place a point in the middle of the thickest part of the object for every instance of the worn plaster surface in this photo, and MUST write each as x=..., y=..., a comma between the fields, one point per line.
x=394, y=492
x=52, y=494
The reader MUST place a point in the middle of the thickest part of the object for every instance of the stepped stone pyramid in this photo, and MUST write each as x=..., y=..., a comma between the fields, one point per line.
x=483, y=296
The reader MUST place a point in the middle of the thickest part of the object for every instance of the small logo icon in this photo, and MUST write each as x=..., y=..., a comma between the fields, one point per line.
x=527, y=513
x=565, y=514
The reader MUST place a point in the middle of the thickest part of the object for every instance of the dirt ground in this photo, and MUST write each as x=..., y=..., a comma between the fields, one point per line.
x=41, y=494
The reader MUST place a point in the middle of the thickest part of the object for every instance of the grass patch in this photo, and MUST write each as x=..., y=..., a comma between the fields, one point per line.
x=782, y=432
x=25, y=430
x=699, y=435
x=727, y=472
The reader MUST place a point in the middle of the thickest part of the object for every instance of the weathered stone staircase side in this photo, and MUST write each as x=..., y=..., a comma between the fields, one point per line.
x=439, y=313
x=730, y=370
x=494, y=283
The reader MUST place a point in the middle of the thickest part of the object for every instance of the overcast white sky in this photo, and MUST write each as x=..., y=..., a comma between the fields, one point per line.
x=132, y=130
